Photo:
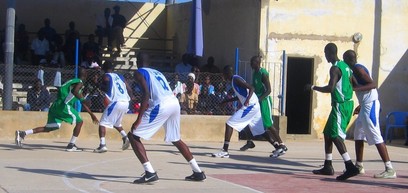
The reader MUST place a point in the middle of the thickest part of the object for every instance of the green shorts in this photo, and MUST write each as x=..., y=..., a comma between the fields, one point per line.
x=62, y=113
x=266, y=112
x=339, y=119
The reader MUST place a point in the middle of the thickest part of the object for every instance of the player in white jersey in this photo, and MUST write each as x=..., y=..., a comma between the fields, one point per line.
x=117, y=105
x=159, y=107
x=248, y=115
x=367, y=125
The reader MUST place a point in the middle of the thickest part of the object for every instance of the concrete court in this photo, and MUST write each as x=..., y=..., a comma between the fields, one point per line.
x=43, y=166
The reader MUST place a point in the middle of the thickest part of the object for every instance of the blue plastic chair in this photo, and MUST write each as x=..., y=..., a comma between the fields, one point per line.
x=395, y=120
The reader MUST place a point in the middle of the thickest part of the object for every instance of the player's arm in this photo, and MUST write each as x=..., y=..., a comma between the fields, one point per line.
x=267, y=83
x=81, y=98
x=362, y=74
x=334, y=78
x=130, y=91
x=243, y=84
x=105, y=83
x=144, y=99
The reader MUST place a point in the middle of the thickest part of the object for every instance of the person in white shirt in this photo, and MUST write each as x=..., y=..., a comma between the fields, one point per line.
x=159, y=107
x=117, y=97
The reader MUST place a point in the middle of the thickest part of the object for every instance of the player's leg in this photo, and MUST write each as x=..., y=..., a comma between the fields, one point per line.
x=102, y=140
x=359, y=148
x=20, y=135
x=249, y=143
x=343, y=111
x=125, y=139
x=359, y=138
x=71, y=147
x=328, y=148
x=197, y=175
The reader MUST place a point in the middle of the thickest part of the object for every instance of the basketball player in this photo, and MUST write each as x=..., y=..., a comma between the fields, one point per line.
x=159, y=107
x=341, y=92
x=262, y=89
x=117, y=94
x=367, y=125
x=248, y=114
x=63, y=110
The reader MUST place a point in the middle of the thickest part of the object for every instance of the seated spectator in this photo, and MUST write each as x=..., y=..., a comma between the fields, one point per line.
x=204, y=102
x=219, y=95
x=189, y=99
x=177, y=86
x=196, y=87
x=40, y=48
x=210, y=67
x=207, y=85
x=58, y=58
x=38, y=98
x=91, y=48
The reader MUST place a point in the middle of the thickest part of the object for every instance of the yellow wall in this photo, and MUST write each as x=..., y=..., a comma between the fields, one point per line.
x=303, y=28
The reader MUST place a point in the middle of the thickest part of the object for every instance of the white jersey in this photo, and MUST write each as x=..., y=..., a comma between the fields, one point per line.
x=117, y=88
x=242, y=93
x=365, y=97
x=157, y=84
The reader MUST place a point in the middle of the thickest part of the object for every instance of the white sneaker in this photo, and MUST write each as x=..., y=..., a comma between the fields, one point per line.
x=126, y=143
x=101, y=149
x=221, y=154
x=389, y=173
x=19, y=139
x=73, y=148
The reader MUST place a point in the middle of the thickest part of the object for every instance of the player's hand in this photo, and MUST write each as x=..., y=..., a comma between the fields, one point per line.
x=94, y=119
x=357, y=110
x=308, y=87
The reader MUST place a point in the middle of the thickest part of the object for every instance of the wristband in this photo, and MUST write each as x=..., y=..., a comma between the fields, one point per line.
x=312, y=87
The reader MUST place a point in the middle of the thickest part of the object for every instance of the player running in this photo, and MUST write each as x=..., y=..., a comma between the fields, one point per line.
x=63, y=110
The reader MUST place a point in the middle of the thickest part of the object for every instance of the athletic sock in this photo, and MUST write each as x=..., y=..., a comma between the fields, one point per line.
x=123, y=133
x=226, y=145
x=388, y=165
x=103, y=141
x=329, y=156
x=148, y=167
x=194, y=166
x=73, y=140
x=346, y=157
x=29, y=132
x=359, y=164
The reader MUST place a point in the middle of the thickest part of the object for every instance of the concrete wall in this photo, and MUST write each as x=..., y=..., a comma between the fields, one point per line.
x=227, y=25
x=303, y=28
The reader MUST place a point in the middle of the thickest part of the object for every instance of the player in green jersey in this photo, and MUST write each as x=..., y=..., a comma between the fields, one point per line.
x=63, y=110
x=341, y=90
x=262, y=89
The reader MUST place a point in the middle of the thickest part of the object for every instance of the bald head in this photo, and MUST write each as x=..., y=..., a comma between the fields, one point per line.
x=350, y=57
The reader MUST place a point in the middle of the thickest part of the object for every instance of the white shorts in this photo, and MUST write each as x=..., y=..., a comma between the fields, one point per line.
x=166, y=114
x=248, y=115
x=112, y=115
x=368, y=123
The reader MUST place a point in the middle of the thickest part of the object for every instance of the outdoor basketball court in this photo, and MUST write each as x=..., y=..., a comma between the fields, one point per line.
x=44, y=166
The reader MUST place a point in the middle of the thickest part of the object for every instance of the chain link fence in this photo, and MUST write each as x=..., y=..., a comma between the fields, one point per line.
x=201, y=96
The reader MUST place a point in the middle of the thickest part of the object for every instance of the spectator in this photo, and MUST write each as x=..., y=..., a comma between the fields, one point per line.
x=38, y=98
x=103, y=27
x=90, y=52
x=22, y=43
x=219, y=95
x=196, y=87
x=40, y=48
x=207, y=85
x=210, y=67
x=189, y=99
x=58, y=58
x=71, y=35
x=49, y=32
x=204, y=103
x=118, y=25
x=177, y=86
x=196, y=71
x=183, y=68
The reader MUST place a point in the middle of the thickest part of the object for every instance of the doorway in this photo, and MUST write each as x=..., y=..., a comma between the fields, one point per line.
x=298, y=101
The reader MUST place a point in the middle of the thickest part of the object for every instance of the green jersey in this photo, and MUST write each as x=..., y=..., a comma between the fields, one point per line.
x=259, y=87
x=344, y=90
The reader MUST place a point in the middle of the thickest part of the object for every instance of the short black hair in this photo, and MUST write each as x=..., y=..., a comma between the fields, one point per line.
x=331, y=48
x=107, y=65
